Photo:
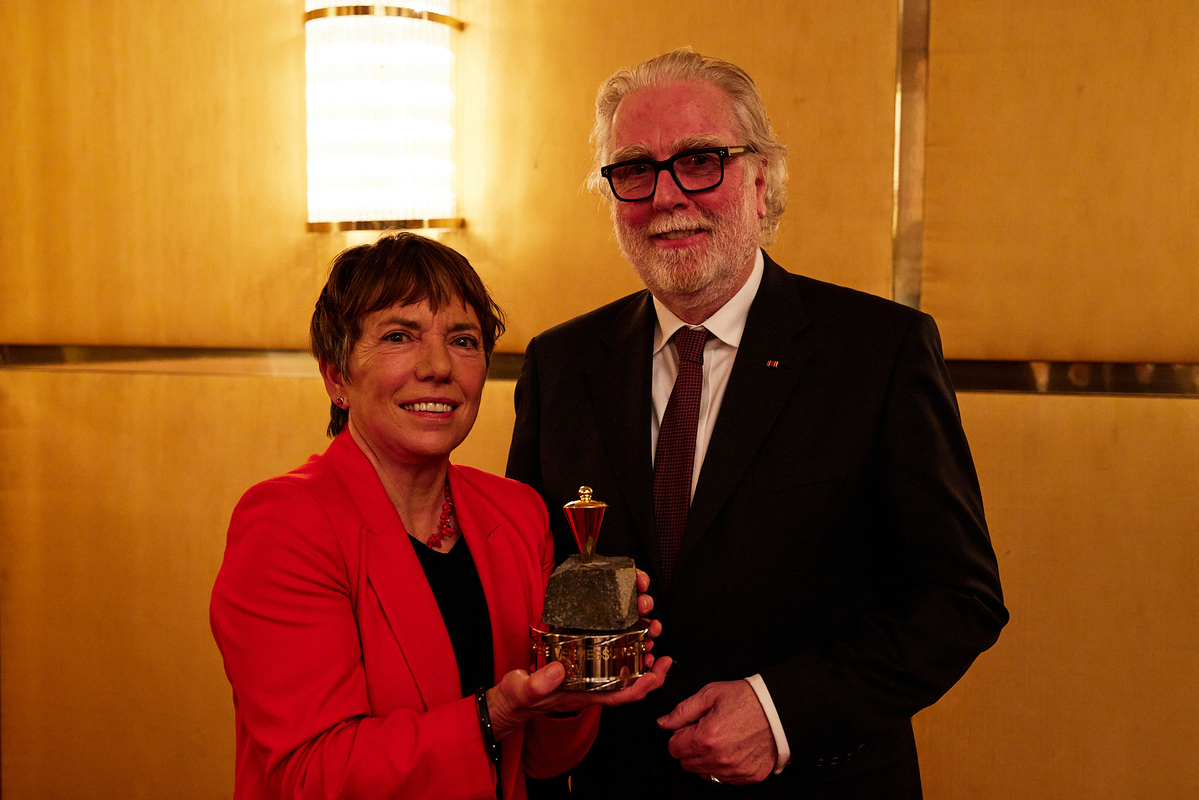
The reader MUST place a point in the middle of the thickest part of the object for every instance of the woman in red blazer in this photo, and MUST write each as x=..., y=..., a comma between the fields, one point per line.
x=368, y=599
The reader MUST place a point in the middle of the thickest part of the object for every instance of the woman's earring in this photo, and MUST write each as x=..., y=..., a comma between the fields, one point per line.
x=341, y=401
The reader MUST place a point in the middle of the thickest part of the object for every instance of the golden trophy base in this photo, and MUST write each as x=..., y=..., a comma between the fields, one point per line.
x=595, y=661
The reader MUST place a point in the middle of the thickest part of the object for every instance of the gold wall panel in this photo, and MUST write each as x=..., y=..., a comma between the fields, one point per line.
x=1062, y=185
x=155, y=164
x=156, y=198
x=529, y=73
x=1091, y=691
x=487, y=445
x=115, y=490
x=115, y=494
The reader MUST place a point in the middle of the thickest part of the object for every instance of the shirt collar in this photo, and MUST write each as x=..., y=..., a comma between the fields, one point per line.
x=727, y=324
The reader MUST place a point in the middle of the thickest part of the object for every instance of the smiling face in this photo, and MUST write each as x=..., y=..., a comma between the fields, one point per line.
x=692, y=250
x=415, y=381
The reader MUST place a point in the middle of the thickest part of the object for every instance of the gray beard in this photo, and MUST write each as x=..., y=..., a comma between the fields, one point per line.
x=691, y=278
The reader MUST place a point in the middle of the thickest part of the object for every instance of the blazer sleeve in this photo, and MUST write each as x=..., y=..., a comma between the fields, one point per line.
x=938, y=602
x=283, y=615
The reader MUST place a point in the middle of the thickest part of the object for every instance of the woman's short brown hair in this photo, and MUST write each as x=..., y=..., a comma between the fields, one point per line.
x=400, y=268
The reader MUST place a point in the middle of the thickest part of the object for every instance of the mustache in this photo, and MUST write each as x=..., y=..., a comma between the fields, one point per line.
x=703, y=221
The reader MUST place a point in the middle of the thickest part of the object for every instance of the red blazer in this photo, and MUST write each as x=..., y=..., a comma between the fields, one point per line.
x=344, y=679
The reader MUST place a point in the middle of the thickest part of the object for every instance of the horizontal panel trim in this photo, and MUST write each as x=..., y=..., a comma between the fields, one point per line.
x=1022, y=377
x=191, y=360
x=165, y=360
x=1076, y=377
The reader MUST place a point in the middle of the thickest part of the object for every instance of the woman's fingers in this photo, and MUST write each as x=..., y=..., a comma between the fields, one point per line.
x=545, y=681
x=642, y=686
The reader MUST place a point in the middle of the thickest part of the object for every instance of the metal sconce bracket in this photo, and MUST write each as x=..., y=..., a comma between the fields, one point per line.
x=383, y=11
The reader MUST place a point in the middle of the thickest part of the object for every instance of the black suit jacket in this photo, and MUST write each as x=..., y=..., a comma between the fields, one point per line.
x=835, y=544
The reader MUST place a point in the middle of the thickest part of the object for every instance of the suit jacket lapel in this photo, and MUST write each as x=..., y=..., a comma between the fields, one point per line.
x=621, y=389
x=754, y=397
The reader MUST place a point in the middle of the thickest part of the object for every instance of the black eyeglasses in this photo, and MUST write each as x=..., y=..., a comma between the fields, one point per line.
x=693, y=170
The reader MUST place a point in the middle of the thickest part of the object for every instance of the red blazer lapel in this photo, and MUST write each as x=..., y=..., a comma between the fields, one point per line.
x=395, y=574
x=399, y=582
x=499, y=573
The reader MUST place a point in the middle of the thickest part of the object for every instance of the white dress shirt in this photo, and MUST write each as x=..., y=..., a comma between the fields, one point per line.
x=726, y=326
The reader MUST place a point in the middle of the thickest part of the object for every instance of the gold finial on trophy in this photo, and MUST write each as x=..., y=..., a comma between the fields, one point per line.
x=585, y=516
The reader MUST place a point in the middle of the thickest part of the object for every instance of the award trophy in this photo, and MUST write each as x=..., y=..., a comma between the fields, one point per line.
x=590, y=621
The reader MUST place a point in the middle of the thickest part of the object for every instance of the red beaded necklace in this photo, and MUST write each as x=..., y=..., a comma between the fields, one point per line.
x=444, y=528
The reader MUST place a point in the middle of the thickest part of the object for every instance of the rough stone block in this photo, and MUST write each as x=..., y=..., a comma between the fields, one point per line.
x=600, y=595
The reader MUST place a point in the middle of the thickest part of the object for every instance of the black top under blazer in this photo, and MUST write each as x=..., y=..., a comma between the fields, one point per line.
x=835, y=544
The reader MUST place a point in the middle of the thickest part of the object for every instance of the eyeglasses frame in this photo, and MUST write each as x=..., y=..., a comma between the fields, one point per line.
x=731, y=151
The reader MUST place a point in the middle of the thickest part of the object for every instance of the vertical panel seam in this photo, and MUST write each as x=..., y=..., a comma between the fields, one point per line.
x=911, y=98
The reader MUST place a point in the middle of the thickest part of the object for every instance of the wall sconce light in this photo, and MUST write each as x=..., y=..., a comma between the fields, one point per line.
x=380, y=116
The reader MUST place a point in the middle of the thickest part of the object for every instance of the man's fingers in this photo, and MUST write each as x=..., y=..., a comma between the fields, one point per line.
x=645, y=605
x=730, y=737
x=683, y=746
x=687, y=711
x=642, y=581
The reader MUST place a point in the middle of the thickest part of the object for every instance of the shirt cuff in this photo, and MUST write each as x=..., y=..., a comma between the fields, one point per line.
x=772, y=716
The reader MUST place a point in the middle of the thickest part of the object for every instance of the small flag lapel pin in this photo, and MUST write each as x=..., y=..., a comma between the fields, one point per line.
x=772, y=363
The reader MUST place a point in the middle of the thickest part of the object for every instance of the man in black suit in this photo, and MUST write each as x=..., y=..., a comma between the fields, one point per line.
x=833, y=574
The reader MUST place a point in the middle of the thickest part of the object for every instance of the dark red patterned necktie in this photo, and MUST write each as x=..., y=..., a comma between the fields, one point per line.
x=674, y=460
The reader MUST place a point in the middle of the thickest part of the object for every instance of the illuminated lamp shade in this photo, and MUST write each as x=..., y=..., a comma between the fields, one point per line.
x=380, y=116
